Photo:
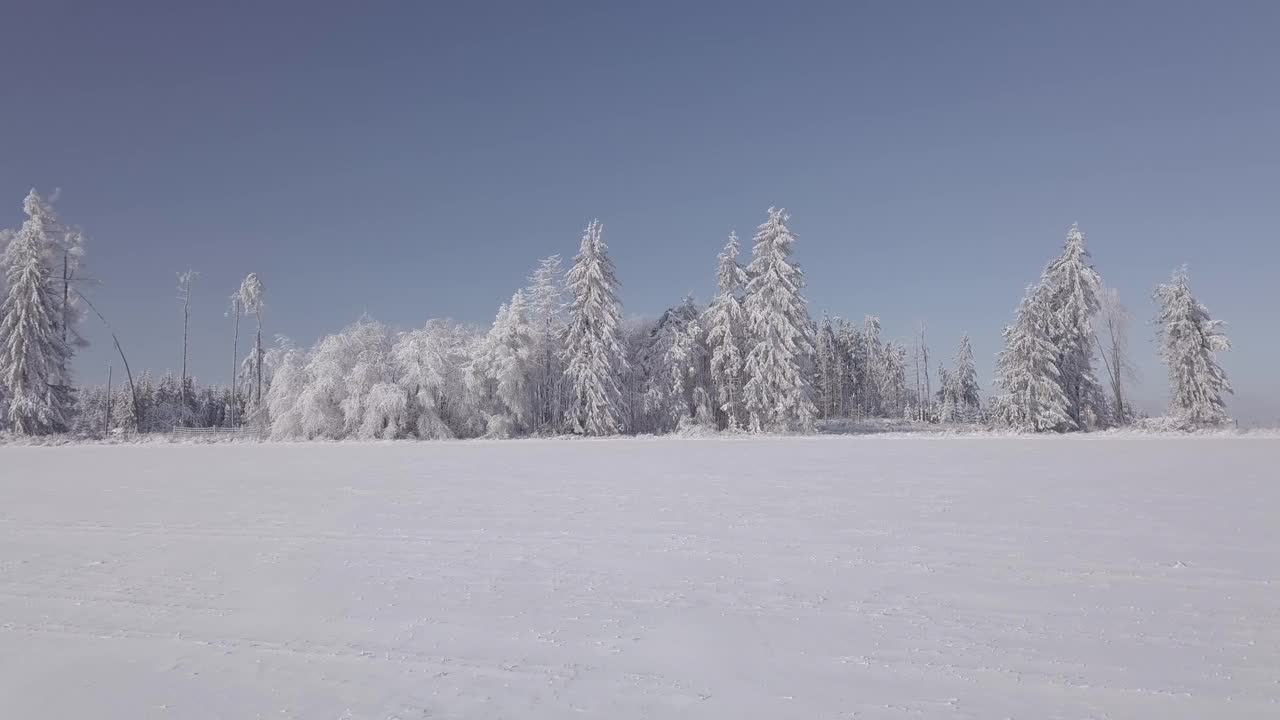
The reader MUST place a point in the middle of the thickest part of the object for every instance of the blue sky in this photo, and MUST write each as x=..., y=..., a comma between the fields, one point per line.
x=413, y=160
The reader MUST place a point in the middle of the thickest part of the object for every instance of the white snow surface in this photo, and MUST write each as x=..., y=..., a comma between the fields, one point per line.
x=1077, y=577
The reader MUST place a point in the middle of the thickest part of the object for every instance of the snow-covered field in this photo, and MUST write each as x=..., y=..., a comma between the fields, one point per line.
x=765, y=578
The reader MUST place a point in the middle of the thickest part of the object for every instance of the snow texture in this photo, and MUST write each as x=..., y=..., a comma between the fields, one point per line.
x=1062, y=577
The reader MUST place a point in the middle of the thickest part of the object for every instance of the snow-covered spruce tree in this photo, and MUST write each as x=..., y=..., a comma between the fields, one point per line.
x=1189, y=341
x=947, y=411
x=1072, y=287
x=725, y=323
x=893, y=389
x=1027, y=372
x=961, y=401
x=778, y=392
x=594, y=355
x=33, y=357
x=545, y=296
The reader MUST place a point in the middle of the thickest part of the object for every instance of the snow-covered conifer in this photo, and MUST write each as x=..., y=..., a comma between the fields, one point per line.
x=33, y=356
x=893, y=379
x=1027, y=371
x=960, y=388
x=778, y=390
x=1071, y=288
x=594, y=355
x=725, y=323
x=1189, y=341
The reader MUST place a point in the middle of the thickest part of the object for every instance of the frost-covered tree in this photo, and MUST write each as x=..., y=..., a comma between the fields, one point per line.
x=1072, y=287
x=961, y=401
x=725, y=323
x=636, y=337
x=595, y=359
x=1114, y=348
x=33, y=355
x=431, y=365
x=851, y=366
x=290, y=379
x=663, y=402
x=778, y=390
x=546, y=302
x=874, y=370
x=184, y=287
x=676, y=370
x=827, y=375
x=893, y=380
x=251, y=302
x=499, y=375
x=1031, y=396
x=1189, y=341
x=346, y=388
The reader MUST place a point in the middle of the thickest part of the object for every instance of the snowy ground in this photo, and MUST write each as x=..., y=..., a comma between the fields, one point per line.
x=775, y=578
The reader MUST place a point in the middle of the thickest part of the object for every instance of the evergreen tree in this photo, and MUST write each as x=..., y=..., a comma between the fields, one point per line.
x=961, y=399
x=726, y=326
x=1027, y=371
x=778, y=391
x=947, y=411
x=1189, y=341
x=893, y=380
x=1072, y=288
x=595, y=357
x=33, y=355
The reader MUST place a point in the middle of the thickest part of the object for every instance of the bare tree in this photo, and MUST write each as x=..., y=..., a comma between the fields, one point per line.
x=235, y=310
x=184, y=287
x=1113, y=345
x=251, y=300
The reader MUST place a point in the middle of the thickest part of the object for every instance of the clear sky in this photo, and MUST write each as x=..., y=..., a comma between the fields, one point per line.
x=413, y=160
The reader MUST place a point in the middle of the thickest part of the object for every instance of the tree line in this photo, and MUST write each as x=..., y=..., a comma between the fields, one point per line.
x=560, y=358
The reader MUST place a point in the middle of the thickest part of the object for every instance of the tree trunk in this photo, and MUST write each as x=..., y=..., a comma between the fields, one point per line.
x=235, y=367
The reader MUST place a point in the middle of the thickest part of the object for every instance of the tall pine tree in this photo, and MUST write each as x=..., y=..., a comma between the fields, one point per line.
x=726, y=327
x=595, y=357
x=1189, y=341
x=778, y=390
x=1072, y=289
x=961, y=401
x=1027, y=371
x=33, y=354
